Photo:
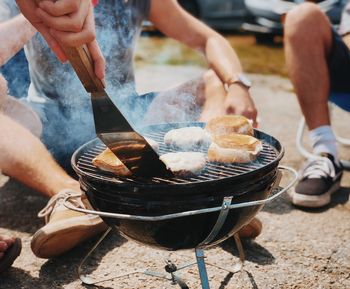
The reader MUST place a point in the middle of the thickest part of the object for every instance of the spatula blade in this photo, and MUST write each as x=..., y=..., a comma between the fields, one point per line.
x=120, y=137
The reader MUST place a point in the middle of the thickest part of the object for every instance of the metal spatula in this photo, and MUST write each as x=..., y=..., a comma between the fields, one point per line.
x=111, y=126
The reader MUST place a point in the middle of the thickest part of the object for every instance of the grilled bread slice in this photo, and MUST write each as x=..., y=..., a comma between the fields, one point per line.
x=108, y=161
x=184, y=164
x=229, y=124
x=235, y=148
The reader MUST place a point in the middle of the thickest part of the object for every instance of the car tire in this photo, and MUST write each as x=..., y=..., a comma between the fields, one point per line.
x=190, y=6
x=265, y=38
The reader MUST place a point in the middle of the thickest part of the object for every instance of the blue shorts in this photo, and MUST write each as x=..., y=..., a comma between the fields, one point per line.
x=339, y=72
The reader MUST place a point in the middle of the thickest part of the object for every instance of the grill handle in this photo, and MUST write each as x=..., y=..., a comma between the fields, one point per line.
x=277, y=192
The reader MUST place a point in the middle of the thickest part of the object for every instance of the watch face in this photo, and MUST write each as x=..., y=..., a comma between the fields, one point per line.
x=245, y=80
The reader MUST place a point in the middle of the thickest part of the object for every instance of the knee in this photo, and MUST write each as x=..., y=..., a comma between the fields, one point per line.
x=306, y=19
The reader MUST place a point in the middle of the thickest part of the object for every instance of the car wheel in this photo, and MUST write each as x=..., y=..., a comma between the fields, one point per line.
x=190, y=6
x=267, y=38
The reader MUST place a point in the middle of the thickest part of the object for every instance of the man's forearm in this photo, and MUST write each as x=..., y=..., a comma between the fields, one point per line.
x=14, y=34
x=170, y=18
x=222, y=58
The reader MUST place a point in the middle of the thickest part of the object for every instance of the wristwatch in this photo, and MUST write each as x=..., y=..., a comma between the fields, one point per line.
x=241, y=79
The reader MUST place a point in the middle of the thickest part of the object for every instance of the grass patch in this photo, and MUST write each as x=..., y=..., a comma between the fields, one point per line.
x=255, y=58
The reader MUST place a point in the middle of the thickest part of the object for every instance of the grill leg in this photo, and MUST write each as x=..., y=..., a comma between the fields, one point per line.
x=92, y=280
x=202, y=269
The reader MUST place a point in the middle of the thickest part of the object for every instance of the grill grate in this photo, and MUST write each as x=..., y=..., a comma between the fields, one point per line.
x=213, y=171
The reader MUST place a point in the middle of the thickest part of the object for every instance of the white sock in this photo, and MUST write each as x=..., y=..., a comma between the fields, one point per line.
x=323, y=141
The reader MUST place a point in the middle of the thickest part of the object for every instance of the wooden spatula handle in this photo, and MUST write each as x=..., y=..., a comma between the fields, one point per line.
x=81, y=60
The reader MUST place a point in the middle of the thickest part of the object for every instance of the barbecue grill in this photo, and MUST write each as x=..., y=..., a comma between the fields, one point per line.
x=181, y=212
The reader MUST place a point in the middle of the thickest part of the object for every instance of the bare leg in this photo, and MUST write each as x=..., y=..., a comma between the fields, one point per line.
x=25, y=158
x=308, y=40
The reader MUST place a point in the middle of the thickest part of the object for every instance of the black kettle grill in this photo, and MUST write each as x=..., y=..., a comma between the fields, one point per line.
x=181, y=213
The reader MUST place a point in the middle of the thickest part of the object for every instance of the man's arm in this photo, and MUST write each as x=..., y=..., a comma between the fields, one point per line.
x=172, y=20
x=15, y=33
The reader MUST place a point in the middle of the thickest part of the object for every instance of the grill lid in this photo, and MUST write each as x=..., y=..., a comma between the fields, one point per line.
x=269, y=157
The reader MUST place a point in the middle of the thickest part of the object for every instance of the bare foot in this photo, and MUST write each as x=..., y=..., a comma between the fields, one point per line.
x=5, y=244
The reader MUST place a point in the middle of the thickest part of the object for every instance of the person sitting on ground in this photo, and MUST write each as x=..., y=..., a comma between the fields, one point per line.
x=29, y=162
x=318, y=60
x=67, y=119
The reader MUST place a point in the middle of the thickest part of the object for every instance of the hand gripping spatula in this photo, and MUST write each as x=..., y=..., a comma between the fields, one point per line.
x=111, y=126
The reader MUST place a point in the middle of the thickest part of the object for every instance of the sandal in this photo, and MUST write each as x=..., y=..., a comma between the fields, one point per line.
x=10, y=255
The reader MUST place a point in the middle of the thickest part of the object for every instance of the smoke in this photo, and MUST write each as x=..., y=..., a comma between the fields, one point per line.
x=179, y=104
x=176, y=105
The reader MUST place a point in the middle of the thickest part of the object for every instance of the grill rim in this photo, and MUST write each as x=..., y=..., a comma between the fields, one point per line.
x=122, y=182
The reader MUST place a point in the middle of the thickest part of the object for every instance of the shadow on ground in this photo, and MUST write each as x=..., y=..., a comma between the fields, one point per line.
x=19, y=207
x=69, y=262
x=63, y=267
x=253, y=251
x=279, y=206
x=21, y=275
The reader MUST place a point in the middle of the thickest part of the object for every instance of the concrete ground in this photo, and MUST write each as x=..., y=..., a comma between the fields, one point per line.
x=297, y=249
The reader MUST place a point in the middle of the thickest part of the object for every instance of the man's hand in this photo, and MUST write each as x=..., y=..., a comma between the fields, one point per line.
x=65, y=22
x=220, y=102
x=239, y=101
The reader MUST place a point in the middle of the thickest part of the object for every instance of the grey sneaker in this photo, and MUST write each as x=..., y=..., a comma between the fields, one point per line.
x=320, y=178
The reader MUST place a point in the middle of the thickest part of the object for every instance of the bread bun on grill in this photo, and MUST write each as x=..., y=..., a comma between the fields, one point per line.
x=108, y=161
x=187, y=138
x=235, y=148
x=229, y=124
x=184, y=164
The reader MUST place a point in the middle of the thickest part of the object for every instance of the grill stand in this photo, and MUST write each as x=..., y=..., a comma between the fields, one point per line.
x=170, y=267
